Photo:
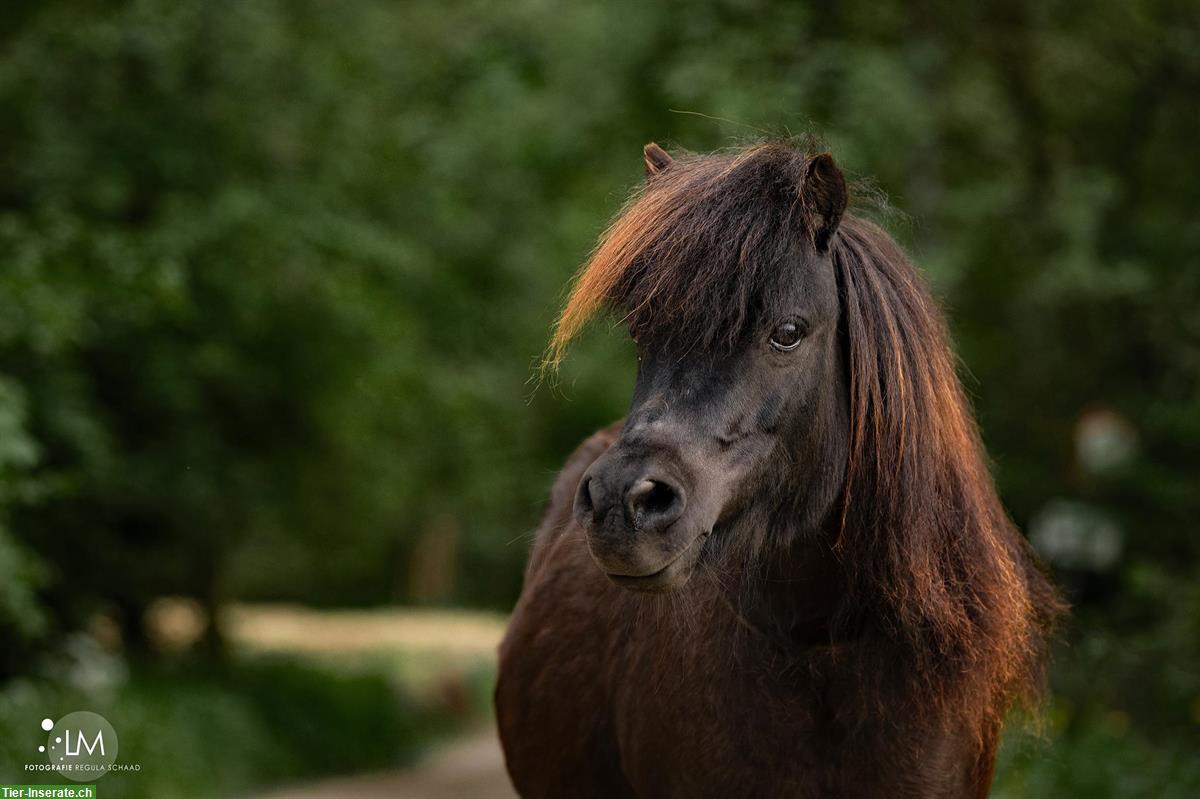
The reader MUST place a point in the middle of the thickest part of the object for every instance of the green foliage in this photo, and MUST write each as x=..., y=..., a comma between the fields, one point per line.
x=1126, y=702
x=20, y=573
x=1104, y=762
x=199, y=734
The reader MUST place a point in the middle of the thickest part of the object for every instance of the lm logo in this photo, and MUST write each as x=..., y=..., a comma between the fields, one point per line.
x=81, y=742
x=81, y=746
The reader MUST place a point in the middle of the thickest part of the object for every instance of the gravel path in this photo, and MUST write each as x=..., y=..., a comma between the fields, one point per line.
x=470, y=768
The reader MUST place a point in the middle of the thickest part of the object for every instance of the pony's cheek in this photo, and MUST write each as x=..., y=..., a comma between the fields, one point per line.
x=733, y=476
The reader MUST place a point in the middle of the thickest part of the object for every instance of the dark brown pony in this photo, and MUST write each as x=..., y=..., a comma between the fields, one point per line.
x=787, y=572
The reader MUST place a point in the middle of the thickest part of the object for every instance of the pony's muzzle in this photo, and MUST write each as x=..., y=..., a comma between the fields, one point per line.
x=629, y=513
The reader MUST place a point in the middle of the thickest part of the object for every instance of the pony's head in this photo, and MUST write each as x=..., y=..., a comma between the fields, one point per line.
x=796, y=384
x=722, y=269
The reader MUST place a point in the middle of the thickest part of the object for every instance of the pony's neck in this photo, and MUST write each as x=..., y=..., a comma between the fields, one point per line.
x=793, y=594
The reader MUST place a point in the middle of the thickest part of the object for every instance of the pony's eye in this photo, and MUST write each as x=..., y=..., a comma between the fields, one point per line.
x=787, y=336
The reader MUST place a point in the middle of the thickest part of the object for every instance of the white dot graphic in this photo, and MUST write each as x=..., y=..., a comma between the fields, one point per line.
x=58, y=740
x=47, y=725
x=41, y=749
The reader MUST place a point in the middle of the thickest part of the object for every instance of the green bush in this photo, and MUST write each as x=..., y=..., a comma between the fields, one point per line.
x=1107, y=761
x=198, y=733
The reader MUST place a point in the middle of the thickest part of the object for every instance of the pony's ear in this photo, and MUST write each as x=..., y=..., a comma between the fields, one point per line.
x=656, y=159
x=823, y=193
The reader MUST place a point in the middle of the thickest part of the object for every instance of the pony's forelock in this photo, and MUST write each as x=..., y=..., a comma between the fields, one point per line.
x=692, y=249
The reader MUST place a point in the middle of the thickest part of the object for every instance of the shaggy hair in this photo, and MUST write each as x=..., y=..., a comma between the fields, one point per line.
x=935, y=569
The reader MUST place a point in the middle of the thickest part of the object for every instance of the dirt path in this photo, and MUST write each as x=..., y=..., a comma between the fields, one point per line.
x=470, y=768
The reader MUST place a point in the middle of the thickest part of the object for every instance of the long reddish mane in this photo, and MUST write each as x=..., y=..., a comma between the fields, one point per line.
x=923, y=535
x=959, y=607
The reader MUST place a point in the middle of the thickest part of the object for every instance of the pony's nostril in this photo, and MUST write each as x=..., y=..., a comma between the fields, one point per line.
x=584, y=501
x=653, y=503
x=658, y=498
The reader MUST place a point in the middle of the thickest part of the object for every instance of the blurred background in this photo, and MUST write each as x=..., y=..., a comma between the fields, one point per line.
x=274, y=276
